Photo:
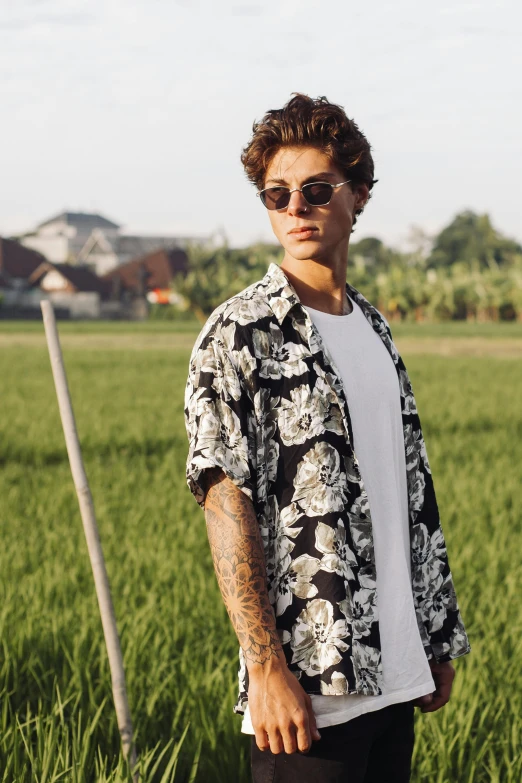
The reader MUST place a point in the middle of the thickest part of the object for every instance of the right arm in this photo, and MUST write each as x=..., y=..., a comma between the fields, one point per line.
x=279, y=707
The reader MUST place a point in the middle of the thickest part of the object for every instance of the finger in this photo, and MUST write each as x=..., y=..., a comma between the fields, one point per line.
x=314, y=733
x=440, y=698
x=304, y=737
x=276, y=741
x=288, y=736
x=436, y=704
x=423, y=701
x=261, y=739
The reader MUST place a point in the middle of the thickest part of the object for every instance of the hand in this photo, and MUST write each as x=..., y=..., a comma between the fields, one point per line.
x=280, y=710
x=443, y=676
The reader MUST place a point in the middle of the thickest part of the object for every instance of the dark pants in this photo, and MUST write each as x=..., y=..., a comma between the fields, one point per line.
x=373, y=748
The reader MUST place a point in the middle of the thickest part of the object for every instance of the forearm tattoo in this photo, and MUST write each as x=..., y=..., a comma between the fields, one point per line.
x=239, y=562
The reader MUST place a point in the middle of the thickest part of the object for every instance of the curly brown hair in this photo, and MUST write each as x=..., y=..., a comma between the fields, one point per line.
x=310, y=122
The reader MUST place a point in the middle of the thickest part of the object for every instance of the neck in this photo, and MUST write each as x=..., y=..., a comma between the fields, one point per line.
x=319, y=285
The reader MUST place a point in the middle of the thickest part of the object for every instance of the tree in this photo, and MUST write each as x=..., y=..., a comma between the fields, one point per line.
x=471, y=238
x=373, y=253
x=419, y=244
x=215, y=274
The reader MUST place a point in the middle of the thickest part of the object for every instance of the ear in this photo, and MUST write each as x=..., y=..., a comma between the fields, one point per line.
x=362, y=193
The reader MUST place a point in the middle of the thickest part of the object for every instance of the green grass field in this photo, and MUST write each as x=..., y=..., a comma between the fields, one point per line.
x=56, y=716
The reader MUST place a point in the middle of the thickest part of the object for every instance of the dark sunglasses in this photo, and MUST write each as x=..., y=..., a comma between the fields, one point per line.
x=317, y=194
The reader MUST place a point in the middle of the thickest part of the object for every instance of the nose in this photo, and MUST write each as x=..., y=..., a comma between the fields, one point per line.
x=297, y=205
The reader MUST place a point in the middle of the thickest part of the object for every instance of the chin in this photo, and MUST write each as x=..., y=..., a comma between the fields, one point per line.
x=303, y=251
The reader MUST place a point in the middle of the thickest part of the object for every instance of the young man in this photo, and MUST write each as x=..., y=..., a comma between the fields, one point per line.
x=306, y=453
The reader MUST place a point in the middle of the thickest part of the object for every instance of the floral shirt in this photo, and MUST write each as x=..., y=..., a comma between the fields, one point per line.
x=265, y=402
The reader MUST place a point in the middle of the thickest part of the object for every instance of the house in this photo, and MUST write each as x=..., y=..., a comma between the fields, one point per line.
x=17, y=263
x=153, y=271
x=61, y=238
x=19, y=296
x=74, y=288
x=103, y=253
x=68, y=279
x=122, y=291
x=89, y=239
x=26, y=278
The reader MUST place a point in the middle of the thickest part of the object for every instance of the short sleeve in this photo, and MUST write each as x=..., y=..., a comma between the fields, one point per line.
x=217, y=414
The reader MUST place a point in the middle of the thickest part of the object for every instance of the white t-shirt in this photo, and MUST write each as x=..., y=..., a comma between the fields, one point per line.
x=372, y=390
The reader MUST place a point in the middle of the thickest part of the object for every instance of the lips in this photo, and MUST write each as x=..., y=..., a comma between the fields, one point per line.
x=302, y=232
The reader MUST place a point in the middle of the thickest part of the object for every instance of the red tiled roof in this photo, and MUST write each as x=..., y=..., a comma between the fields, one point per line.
x=155, y=270
x=17, y=260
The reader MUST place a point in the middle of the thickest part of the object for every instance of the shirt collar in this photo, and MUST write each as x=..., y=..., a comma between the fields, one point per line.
x=282, y=296
x=279, y=292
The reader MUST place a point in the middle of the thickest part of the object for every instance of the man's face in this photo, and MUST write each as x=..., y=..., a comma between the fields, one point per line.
x=325, y=229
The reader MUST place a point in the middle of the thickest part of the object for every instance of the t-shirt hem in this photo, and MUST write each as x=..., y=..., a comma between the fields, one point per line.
x=322, y=721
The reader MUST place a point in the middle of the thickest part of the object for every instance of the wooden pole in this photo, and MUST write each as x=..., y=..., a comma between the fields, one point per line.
x=90, y=527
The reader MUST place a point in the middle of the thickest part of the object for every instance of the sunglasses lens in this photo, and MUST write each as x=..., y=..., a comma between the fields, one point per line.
x=275, y=198
x=318, y=193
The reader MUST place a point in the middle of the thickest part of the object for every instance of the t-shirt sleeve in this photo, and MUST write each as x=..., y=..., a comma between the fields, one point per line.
x=218, y=416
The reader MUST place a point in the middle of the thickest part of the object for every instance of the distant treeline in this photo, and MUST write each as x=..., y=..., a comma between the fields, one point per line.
x=469, y=271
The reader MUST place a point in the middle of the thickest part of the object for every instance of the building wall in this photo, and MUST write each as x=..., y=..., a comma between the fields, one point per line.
x=56, y=228
x=80, y=305
x=54, y=281
x=13, y=297
x=54, y=248
x=101, y=263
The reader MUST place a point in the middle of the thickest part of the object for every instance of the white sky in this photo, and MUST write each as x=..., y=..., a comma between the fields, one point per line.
x=139, y=109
